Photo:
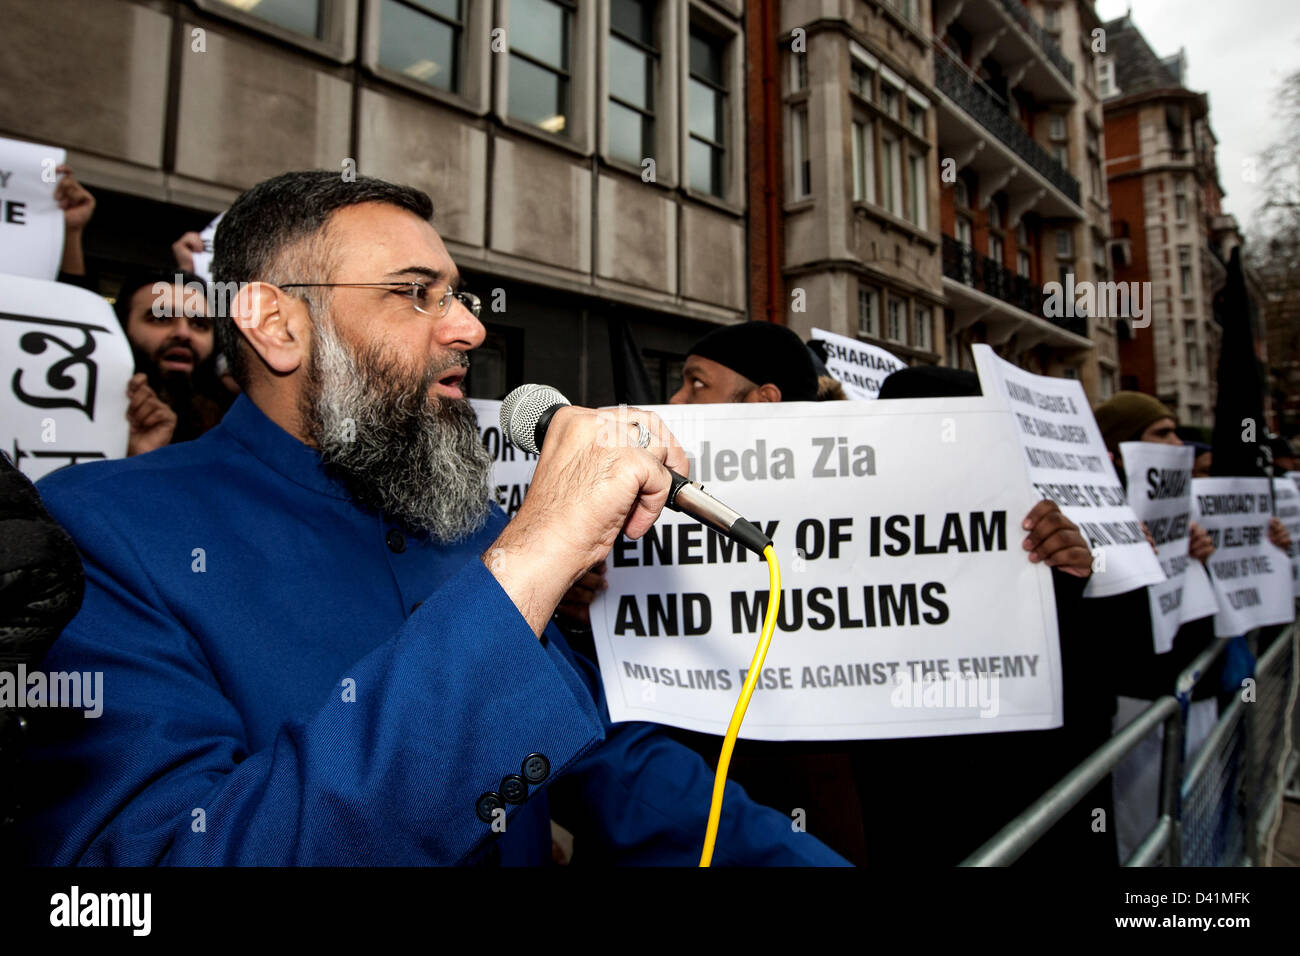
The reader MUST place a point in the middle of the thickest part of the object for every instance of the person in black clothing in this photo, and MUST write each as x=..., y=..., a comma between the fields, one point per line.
x=41, y=585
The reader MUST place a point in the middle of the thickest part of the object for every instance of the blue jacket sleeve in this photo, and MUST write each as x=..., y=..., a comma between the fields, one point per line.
x=391, y=777
x=647, y=798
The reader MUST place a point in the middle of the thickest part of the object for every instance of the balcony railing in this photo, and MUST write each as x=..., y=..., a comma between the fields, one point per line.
x=968, y=267
x=992, y=115
x=1044, y=39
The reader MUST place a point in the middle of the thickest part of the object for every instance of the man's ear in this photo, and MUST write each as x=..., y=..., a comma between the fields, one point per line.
x=764, y=393
x=275, y=325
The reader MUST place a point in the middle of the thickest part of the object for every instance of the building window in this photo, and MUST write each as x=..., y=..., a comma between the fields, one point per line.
x=1070, y=372
x=921, y=339
x=916, y=189
x=1022, y=233
x=868, y=312
x=802, y=164
x=1107, y=384
x=422, y=39
x=707, y=95
x=1064, y=243
x=1056, y=126
x=1022, y=264
x=798, y=72
x=890, y=98
x=891, y=175
x=995, y=214
x=1189, y=330
x=1185, y=269
x=960, y=194
x=1180, y=200
x=965, y=233
x=1051, y=19
x=299, y=16
x=916, y=118
x=541, y=34
x=1061, y=154
x=996, y=250
x=633, y=73
x=896, y=329
x=864, y=162
x=1106, y=78
x=1192, y=355
x=862, y=80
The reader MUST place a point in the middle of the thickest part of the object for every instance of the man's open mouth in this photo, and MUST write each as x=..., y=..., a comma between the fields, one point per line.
x=449, y=384
x=177, y=358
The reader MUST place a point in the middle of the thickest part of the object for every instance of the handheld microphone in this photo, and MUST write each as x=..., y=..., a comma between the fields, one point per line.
x=526, y=414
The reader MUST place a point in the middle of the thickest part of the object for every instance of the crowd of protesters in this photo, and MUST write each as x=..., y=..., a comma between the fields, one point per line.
x=882, y=803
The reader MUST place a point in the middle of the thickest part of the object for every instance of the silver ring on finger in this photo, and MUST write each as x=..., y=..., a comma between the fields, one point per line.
x=642, y=435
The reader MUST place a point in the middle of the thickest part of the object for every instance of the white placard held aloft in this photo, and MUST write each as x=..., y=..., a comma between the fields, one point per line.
x=909, y=606
x=859, y=367
x=512, y=467
x=64, y=365
x=1160, y=493
x=1068, y=463
x=1286, y=498
x=31, y=222
x=1251, y=575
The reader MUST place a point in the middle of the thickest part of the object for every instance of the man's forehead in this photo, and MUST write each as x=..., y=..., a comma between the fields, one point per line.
x=389, y=238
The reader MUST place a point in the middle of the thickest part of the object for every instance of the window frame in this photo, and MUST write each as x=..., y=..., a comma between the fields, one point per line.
x=870, y=294
x=657, y=92
x=338, y=27
x=701, y=20
x=567, y=72
x=472, y=65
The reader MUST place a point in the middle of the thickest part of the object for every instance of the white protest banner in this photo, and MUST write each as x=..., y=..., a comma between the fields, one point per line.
x=1251, y=575
x=203, y=260
x=1295, y=477
x=859, y=367
x=1068, y=463
x=1160, y=493
x=64, y=363
x=1286, y=501
x=31, y=222
x=512, y=468
x=908, y=605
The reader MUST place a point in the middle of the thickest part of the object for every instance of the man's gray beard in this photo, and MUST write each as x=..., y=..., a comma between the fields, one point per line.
x=417, y=459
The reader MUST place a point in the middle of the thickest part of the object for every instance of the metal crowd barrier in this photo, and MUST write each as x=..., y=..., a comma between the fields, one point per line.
x=1217, y=809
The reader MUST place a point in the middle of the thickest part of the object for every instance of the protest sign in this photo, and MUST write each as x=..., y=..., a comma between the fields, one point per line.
x=908, y=606
x=203, y=260
x=1068, y=463
x=512, y=468
x=1160, y=493
x=1251, y=575
x=1286, y=501
x=859, y=367
x=65, y=363
x=31, y=222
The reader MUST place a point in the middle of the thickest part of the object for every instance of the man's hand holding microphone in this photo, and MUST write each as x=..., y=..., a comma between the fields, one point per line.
x=601, y=473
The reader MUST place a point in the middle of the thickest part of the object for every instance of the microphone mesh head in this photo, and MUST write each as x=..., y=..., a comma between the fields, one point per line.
x=521, y=410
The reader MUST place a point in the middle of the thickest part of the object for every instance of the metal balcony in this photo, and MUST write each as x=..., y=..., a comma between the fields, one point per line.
x=988, y=112
x=1044, y=39
x=964, y=264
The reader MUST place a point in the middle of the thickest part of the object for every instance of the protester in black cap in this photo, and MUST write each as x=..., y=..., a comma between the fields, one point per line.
x=174, y=395
x=750, y=362
x=1284, y=458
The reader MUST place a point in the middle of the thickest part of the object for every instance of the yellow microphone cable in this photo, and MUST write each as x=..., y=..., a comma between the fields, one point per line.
x=738, y=715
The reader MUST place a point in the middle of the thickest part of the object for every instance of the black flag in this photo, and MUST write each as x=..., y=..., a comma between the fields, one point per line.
x=631, y=380
x=1239, y=430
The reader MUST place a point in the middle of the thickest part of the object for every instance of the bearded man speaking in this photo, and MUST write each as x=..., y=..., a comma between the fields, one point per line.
x=321, y=644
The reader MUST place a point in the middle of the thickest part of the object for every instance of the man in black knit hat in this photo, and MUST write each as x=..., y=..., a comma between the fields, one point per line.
x=750, y=362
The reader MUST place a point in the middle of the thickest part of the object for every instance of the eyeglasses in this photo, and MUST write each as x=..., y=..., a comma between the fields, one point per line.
x=418, y=292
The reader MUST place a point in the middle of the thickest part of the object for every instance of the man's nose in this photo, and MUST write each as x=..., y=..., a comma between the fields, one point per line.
x=460, y=328
x=678, y=397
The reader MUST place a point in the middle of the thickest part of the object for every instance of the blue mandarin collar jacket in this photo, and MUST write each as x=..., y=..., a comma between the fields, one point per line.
x=290, y=679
